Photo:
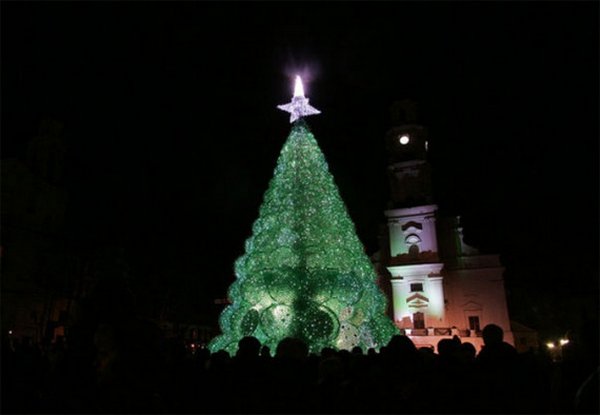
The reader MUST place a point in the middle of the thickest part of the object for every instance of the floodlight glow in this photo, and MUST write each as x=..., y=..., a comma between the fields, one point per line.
x=299, y=106
x=404, y=140
x=298, y=88
x=564, y=341
x=550, y=345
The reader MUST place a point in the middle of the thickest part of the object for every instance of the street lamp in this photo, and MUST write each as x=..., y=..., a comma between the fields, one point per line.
x=556, y=348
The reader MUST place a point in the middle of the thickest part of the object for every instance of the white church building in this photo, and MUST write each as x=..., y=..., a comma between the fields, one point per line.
x=437, y=285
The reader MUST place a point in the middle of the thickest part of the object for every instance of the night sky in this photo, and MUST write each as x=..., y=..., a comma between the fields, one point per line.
x=170, y=117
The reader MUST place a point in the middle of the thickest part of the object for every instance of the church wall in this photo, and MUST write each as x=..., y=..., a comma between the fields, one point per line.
x=478, y=293
x=418, y=288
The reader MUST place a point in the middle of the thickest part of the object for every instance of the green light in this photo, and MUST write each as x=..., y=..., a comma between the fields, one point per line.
x=304, y=273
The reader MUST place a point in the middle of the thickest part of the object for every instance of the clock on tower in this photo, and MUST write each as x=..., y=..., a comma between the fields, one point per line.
x=408, y=170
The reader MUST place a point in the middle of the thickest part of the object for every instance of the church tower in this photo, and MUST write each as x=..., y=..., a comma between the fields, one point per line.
x=408, y=170
x=414, y=261
x=440, y=286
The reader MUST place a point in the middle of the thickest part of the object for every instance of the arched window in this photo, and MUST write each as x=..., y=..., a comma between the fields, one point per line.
x=413, y=251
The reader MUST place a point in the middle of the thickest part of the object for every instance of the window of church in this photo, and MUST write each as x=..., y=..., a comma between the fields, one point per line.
x=416, y=287
x=413, y=251
x=418, y=320
x=474, y=323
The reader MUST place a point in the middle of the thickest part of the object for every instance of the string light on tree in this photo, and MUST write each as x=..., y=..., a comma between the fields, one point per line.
x=304, y=272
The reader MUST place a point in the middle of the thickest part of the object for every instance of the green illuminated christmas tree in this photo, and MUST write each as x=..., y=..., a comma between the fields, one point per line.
x=304, y=273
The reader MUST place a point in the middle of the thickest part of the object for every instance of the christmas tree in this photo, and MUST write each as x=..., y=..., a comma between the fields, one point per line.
x=304, y=273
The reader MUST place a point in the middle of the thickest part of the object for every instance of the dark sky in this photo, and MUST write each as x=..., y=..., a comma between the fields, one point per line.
x=173, y=132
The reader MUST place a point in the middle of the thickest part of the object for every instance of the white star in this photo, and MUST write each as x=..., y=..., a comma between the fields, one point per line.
x=299, y=106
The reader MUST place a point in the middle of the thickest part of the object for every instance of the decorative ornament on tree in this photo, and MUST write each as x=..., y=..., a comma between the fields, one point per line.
x=304, y=272
x=299, y=106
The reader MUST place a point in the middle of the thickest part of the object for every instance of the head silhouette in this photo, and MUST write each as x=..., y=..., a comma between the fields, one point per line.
x=357, y=350
x=291, y=348
x=468, y=351
x=448, y=348
x=492, y=335
x=265, y=351
x=248, y=347
x=401, y=345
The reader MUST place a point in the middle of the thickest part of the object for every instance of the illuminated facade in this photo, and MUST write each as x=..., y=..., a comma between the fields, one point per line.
x=438, y=285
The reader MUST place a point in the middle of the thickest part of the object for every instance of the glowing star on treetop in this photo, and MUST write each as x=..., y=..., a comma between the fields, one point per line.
x=299, y=106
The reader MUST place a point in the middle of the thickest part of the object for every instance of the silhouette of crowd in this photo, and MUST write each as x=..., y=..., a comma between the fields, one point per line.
x=137, y=370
